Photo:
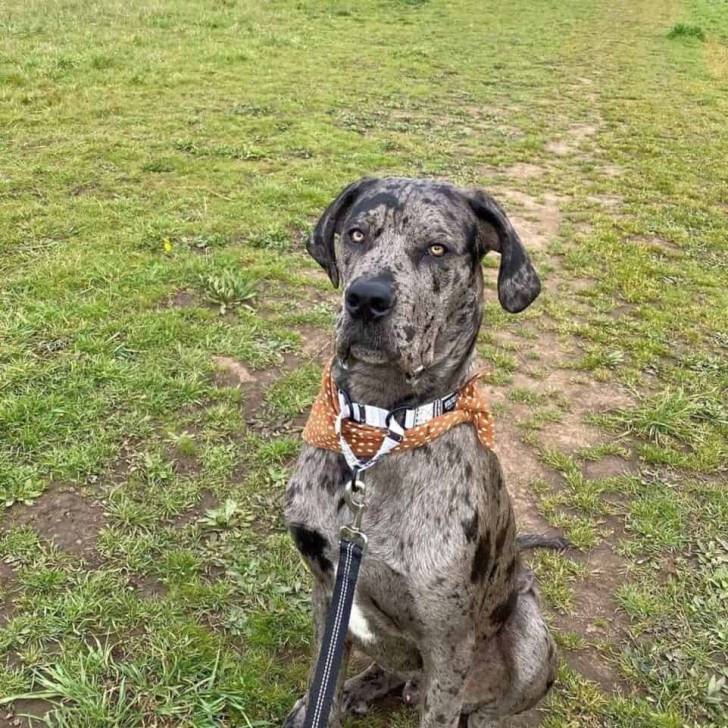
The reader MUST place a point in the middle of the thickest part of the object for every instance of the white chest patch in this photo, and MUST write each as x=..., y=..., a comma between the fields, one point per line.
x=358, y=625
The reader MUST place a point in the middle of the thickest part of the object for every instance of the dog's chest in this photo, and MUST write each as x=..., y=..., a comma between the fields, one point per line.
x=421, y=508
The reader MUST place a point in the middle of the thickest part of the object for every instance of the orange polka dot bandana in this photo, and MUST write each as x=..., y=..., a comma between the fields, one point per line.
x=366, y=440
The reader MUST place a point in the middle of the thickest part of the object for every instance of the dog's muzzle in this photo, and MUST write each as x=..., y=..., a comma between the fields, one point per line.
x=369, y=299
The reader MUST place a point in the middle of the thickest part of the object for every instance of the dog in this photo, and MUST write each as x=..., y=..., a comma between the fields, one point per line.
x=443, y=608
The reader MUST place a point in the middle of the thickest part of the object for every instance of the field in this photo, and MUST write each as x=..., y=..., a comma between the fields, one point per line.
x=162, y=333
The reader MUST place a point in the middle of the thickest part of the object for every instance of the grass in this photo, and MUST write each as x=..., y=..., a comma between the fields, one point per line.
x=160, y=168
x=294, y=392
x=227, y=289
x=675, y=416
x=684, y=30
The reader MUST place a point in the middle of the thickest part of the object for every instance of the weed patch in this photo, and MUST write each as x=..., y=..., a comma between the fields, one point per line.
x=685, y=30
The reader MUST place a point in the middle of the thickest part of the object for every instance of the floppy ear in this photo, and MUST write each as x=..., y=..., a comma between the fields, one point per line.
x=321, y=243
x=518, y=283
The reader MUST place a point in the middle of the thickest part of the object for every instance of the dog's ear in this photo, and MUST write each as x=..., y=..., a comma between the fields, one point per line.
x=321, y=243
x=518, y=282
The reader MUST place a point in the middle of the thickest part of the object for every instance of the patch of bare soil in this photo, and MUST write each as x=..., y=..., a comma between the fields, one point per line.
x=206, y=502
x=184, y=464
x=525, y=170
x=65, y=517
x=596, y=614
x=6, y=574
x=608, y=467
x=623, y=309
x=585, y=397
x=546, y=367
x=231, y=373
x=575, y=136
x=521, y=466
x=7, y=605
x=537, y=355
x=12, y=718
x=147, y=586
x=611, y=170
x=656, y=244
x=536, y=221
x=181, y=299
x=605, y=200
x=317, y=346
x=90, y=188
x=596, y=617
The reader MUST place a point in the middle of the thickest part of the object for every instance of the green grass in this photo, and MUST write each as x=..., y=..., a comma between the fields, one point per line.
x=684, y=30
x=228, y=288
x=675, y=415
x=294, y=392
x=160, y=165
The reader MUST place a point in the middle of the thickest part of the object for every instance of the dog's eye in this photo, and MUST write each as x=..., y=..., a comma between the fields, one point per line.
x=356, y=235
x=437, y=250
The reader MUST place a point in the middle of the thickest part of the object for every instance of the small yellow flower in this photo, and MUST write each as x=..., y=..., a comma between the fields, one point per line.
x=167, y=244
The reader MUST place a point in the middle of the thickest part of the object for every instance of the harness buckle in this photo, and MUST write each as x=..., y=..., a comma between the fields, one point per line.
x=355, y=499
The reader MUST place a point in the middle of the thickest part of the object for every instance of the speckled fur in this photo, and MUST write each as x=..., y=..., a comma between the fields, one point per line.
x=442, y=591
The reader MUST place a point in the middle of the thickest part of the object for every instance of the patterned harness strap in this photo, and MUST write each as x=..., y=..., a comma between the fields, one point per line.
x=364, y=429
x=380, y=418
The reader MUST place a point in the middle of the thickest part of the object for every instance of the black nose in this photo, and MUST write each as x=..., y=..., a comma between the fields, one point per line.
x=369, y=298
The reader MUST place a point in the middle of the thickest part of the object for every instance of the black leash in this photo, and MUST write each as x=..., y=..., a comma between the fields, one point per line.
x=352, y=547
x=321, y=694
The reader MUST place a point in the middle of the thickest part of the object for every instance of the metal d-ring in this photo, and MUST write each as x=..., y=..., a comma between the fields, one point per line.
x=356, y=501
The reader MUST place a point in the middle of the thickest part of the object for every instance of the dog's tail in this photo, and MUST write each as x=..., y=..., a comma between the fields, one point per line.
x=527, y=541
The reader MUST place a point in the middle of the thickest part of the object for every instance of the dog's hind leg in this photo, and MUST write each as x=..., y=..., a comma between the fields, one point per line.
x=366, y=687
x=478, y=721
x=517, y=668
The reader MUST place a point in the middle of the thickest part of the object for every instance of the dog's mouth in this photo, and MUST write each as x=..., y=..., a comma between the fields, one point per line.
x=356, y=345
x=373, y=346
x=374, y=354
x=368, y=354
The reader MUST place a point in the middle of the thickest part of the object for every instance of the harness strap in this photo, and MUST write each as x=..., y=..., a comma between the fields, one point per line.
x=367, y=414
x=392, y=438
x=365, y=426
x=321, y=693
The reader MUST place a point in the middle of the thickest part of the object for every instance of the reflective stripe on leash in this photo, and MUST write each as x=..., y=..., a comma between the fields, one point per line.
x=321, y=694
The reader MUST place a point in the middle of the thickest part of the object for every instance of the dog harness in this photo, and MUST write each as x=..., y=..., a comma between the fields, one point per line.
x=364, y=434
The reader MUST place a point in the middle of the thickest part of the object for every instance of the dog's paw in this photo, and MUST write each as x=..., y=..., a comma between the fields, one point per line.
x=411, y=693
x=355, y=707
x=297, y=716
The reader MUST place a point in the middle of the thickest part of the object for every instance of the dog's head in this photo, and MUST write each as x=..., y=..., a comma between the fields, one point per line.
x=408, y=253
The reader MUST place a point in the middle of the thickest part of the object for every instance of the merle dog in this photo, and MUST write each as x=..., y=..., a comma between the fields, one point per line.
x=443, y=607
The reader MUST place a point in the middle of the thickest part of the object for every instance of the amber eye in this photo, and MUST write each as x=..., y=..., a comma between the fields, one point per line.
x=437, y=250
x=356, y=235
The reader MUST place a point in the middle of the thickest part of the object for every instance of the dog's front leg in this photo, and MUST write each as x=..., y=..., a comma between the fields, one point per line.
x=320, y=602
x=447, y=664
